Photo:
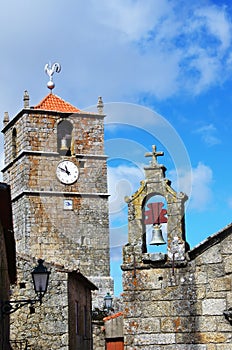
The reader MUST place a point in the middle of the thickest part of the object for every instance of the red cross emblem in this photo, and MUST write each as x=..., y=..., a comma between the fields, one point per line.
x=155, y=214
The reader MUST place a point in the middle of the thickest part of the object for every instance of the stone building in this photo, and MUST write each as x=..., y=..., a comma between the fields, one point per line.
x=7, y=262
x=177, y=299
x=56, y=167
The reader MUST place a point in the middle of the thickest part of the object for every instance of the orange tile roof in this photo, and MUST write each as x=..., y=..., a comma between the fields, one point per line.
x=110, y=317
x=52, y=102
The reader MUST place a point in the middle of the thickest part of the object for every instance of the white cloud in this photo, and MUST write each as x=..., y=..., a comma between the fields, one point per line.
x=119, y=49
x=201, y=179
x=201, y=187
x=208, y=134
x=122, y=181
x=217, y=23
x=133, y=19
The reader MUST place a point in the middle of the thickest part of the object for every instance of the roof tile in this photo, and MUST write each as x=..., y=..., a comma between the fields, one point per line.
x=110, y=317
x=53, y=102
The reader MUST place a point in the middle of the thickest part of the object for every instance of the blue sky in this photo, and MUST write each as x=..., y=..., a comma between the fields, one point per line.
x=164, y=70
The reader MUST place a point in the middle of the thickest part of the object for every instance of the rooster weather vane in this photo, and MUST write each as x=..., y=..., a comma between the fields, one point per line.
x=50, y=70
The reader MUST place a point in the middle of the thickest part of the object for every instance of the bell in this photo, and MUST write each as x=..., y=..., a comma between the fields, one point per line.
x=157, y=237
x=63, y=146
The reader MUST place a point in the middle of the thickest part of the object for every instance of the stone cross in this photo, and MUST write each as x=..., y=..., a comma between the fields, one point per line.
x=154, y=155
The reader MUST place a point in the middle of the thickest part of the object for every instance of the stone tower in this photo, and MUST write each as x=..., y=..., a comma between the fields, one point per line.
x=56, y=167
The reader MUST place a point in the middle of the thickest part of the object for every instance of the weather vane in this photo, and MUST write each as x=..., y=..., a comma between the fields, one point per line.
x=50, y=70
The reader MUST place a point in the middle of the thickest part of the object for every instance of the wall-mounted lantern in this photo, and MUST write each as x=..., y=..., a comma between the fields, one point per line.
x=40, y=277
x=108, y=301
x=99, y=314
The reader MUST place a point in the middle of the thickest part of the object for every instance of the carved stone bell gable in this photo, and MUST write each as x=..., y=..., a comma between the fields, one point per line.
x=158, y=204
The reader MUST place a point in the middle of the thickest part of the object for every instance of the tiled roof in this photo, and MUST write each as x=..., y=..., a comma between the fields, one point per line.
x=54, y=103
x=110, y=317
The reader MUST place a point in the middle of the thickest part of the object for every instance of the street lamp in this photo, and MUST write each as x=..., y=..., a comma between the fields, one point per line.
x=40, y=277
x=108, y=300
x=99, y=314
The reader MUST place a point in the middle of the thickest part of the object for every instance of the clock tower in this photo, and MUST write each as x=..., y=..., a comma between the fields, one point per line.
x=56, y=167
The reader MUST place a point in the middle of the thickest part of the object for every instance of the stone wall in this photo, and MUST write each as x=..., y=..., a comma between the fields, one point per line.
x=77, y=238
x=47, y=327
x=63, y=320
x=181, y=308
x=37, y=131
x=7, y=262
x=4, y=292
x=98, y=335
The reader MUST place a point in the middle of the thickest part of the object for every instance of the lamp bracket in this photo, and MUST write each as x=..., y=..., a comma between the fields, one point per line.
x=10, y=306
x=228, y=315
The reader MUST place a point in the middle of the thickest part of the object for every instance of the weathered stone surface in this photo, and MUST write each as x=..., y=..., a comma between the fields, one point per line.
x=114, y=327
x=48, y=326
x=221, y=284
x=186, y=298
x=159, y=338
x=75, y=238
x=228, y=264
x=212, y=256
x=213, y=306
x=143, y=326
x=202, y=337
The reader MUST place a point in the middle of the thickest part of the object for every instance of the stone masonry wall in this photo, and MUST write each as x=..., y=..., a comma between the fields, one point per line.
x=77, y=238
x=47, y=328
x=38, y=132
x=37, y=172
x=4, y=292
x=180, y=308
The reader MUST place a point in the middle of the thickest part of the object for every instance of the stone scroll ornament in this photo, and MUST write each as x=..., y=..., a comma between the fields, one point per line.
x=50, y=70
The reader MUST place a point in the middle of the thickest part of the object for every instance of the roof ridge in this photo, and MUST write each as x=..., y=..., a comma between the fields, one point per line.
x=110, y=317
x=53, y=102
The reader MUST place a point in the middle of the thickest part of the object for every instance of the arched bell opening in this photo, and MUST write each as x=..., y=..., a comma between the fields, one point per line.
x=14, y=142
x=154, y=223
x=64, y=138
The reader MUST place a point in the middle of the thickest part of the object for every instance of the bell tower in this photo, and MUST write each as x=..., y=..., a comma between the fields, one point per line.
x=158, y=205
x=56, y=167
x=155, y=218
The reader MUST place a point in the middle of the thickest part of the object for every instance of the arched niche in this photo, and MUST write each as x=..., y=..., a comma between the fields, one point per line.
x=154, y=217
x=14, y=142
x=64, y=138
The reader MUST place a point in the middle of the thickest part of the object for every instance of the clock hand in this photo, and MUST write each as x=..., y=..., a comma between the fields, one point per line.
x=62, y=169
x=66, y=170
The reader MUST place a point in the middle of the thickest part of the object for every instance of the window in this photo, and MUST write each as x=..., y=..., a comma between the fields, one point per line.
x=77, y=316
x=85, y=322
x=64, y=138
x=154, y=223
x=14, y=145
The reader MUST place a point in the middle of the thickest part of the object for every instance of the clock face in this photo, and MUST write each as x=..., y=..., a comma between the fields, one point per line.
x=67, y=172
